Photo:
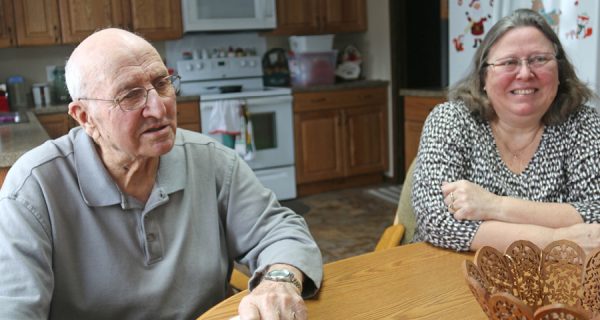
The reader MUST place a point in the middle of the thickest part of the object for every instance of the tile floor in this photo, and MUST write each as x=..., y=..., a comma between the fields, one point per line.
x=345, y=223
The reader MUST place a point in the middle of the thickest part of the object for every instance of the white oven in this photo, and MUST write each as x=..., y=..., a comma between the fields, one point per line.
x=221, y=15
x=270, y=112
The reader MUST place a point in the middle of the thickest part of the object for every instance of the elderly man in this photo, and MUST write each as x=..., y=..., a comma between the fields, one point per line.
x=127, y=217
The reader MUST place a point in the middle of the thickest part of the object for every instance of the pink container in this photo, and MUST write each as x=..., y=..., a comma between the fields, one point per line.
x=312, y=68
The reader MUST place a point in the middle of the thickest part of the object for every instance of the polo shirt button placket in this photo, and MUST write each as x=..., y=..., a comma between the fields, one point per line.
x=151, y=237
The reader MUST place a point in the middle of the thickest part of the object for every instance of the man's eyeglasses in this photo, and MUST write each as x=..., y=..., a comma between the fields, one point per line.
x=136, y=98
x=512, y=65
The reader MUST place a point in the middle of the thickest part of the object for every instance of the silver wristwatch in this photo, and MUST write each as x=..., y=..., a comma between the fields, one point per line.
x=283, y=275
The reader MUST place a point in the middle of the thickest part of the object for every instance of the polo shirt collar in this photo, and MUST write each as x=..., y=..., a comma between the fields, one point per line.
x=97, y=186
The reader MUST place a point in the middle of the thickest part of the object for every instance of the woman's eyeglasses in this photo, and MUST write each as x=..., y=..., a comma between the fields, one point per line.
x=512, y=65
x=136, y=98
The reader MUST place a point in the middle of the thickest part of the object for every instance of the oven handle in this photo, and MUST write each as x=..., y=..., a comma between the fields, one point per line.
x=258, y=100
x=271, y=176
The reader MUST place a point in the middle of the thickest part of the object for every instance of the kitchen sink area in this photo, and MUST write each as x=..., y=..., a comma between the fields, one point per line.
x=13, y=117
x=19, y=133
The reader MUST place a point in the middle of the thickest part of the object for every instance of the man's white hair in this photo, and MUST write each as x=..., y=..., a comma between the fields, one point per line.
x=73, y=79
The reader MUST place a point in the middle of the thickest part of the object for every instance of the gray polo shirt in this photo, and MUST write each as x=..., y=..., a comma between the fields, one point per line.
x=72, y=246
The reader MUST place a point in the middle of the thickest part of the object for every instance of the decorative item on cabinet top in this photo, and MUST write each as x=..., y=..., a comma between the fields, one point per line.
x=349, y=64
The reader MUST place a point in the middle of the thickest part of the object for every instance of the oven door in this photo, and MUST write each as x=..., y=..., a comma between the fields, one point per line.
x=273, y=129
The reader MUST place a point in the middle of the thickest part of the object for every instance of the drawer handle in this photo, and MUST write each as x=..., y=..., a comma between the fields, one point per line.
x=318, y=100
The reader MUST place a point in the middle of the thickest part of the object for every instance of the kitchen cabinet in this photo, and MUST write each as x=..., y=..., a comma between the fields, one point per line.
x=7, y=24
x=299, y=17
x=155, y=19
x=56, y=124
x=36, y=22
x=3, y=172
x=188, y=115
x=416, y=110
x=340, y=138
x=54, y=22
x=80, y=18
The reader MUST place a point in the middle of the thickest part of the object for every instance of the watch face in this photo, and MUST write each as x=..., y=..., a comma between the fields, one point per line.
x=279, y=273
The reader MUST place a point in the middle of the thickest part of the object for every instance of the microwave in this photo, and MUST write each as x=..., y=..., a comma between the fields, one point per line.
x=223, y=15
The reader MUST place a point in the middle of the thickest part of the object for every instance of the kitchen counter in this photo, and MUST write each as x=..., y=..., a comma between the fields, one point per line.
x=59, y=108
x=342, y=85
x=16, y=139
x=65, y=107
x=423, y=92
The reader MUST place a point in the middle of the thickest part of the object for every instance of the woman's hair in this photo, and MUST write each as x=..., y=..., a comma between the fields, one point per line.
x=571, y=93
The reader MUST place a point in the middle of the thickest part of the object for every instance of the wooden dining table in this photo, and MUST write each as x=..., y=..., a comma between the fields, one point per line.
x=416, y=281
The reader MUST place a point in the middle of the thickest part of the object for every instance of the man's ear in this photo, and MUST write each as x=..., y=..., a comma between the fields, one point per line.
x=80, y=112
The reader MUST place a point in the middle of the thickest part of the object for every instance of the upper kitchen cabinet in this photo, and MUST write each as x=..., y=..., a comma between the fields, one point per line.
x=7, y=24
x=51, y=22
x=80, y=18
x=36, y=22
x=155, y=19
x=298, y=17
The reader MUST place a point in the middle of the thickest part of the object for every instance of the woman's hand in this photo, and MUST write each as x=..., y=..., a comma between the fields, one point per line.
x=468, y=201
x=587, y=236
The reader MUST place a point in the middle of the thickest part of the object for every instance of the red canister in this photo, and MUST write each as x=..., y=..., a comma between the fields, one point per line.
x=3, y=102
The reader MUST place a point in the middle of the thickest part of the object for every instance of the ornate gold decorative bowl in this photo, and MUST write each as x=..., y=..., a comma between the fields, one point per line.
x=526, y=282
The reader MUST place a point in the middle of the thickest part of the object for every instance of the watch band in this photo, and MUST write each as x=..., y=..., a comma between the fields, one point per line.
x=283, y=275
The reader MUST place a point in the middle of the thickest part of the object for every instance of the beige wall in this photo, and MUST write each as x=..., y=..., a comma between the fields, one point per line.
x=377, y=60
x=375, y=48
x=31, y=62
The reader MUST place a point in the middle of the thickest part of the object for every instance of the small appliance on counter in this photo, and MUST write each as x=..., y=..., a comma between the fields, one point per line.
x=59, y=86
x=17, y=94
x=13, y=117
x=41, y=94
x=3, y=99
x=276, y=72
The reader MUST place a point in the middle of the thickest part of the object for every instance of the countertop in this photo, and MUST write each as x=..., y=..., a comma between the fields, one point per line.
x=16, y=139
x=423, y=92
x=342, y=86
x=59, y=108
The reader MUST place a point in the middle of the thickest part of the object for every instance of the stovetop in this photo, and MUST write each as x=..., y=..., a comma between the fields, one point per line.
x=219, y=68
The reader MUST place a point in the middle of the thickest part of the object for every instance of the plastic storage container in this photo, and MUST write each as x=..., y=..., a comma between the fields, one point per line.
x=320, y=43
x=312, y=68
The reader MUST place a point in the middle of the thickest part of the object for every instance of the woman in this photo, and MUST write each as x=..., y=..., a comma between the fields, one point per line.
x=515, y=154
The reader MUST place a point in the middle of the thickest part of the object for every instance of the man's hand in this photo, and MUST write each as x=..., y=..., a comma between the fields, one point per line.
x=273, y=300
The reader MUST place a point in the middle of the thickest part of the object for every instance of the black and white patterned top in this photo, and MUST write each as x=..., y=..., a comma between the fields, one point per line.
x=456, y=145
